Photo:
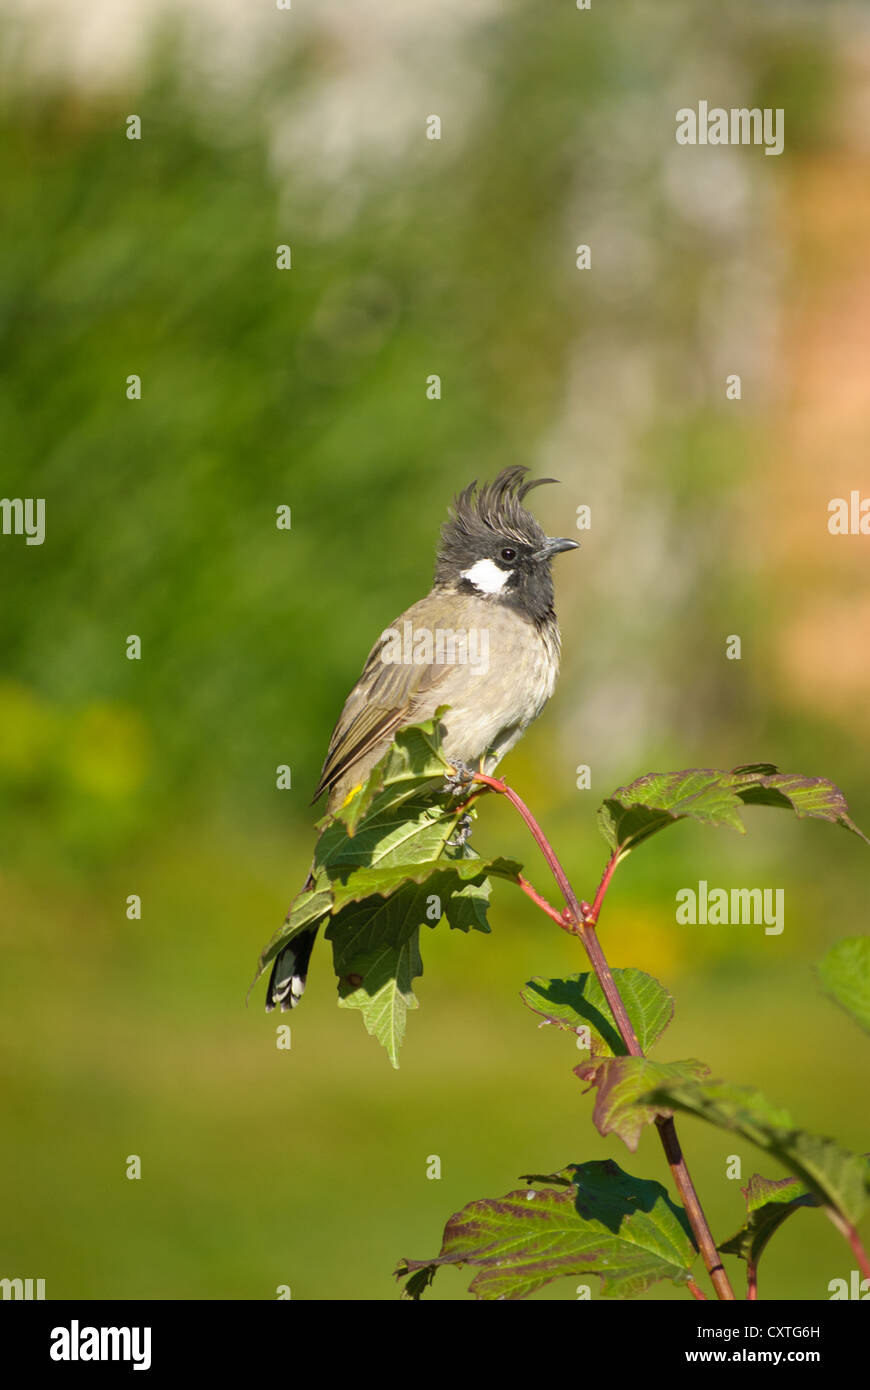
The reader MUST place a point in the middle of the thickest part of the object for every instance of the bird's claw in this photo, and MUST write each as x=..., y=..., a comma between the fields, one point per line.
x=462, y=833
x=459, y=780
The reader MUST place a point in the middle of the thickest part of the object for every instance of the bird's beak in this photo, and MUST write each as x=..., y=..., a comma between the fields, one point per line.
x=554, y=545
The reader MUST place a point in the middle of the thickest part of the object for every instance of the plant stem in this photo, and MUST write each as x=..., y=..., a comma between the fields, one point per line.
x=603, y=886
x=598, y=961
x=664, y=1124
x=579, y=918
x=540, y=839
x=540, y=901
x=692, y=1204
x=859, y=1251
x=848, y=1230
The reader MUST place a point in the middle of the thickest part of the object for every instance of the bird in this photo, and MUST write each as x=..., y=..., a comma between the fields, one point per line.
x=484, y=641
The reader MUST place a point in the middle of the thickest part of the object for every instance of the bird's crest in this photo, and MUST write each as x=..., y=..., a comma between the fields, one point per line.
x=492, y=509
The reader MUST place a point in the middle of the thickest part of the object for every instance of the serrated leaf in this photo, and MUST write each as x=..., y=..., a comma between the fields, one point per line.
x=413, y=762
x=624, y=1229
x=385, y=996
x=384, y=864
x=650, y=803
x=579, y=1001
x=712, y=797
x=813, y=797
x=384, y=880
x=845, y=974
x=402, y=842
x=377, y=958
x=418, y=1282
x=465, y=908
x=622, y=1085
x=762, y=1192
x=838, y=1178
x=768, y=1204
x=410, y=832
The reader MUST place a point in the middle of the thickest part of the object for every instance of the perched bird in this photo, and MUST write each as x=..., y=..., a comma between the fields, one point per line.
x=484, y=641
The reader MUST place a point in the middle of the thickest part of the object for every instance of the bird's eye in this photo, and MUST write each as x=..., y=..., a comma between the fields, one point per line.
x=508, y=554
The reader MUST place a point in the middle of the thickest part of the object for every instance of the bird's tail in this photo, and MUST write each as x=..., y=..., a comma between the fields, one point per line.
x=290, y=971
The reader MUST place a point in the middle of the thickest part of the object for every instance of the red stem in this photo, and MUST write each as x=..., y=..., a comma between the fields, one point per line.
x=540, y=901
x=540, y=840
x=579, y=918
x=603, y=886
x=751, y=1279
x=859, y=1251
x=848, y=1230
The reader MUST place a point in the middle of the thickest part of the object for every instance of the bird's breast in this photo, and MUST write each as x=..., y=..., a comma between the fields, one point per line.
x=494, y=697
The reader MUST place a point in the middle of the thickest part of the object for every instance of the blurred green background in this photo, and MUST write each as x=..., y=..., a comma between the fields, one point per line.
x=307, y=388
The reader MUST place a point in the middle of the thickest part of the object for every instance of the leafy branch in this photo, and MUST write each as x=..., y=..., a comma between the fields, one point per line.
x=580, y=919
x=391, y=861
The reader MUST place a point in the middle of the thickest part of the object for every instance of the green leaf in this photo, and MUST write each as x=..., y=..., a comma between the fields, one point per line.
x=383, y=868
x=578, y=1002
x=412, y=763
x=622, y=1104
x=412, y=832
x=384, y=994
x=845, y=973
x=813, y=797
x=406, y=842
x=637, y=811
x=768, y=1204
x=624, y=1229
x=838, y=1178
x=311, y=906
x=376, y=953
x=645, y=806
x=465, y=908
x=418, y=1282
x=363, y=883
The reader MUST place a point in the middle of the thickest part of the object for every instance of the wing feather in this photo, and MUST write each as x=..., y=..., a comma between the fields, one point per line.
x=383, y=700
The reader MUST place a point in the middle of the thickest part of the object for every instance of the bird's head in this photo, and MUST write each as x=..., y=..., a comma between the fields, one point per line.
x=493, y=547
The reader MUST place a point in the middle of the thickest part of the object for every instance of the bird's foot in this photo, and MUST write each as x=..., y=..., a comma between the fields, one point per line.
x=462, y=834
x=458, y=781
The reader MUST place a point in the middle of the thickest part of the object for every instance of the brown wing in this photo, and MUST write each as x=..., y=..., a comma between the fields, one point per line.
x=386, y=697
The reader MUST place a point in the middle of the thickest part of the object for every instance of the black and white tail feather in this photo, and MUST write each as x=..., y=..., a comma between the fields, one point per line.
x=290, y=972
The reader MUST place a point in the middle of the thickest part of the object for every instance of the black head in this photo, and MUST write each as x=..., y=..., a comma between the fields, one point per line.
x=491, y=546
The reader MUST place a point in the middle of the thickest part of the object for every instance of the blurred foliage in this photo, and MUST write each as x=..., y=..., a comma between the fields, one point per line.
x=307, y=388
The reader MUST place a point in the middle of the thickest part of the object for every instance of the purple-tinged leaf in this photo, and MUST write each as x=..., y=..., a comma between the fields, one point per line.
x=605, y=1222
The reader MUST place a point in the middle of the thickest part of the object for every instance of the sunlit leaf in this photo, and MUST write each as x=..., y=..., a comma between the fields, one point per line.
x=838, y=1178
x=845, y=973
x=579, y=1001
x=715, y=798
x=604, y=1222
x=622, y=1086
x=386, y=865
x=768, y=1204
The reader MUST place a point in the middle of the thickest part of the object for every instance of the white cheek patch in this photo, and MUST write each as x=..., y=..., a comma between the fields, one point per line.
x=486, y=577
